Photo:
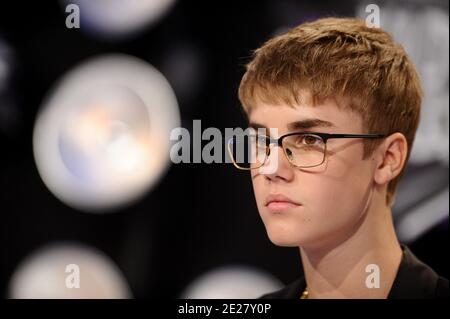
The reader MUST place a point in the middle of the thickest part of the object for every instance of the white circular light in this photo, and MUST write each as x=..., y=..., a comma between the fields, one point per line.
x=49, y=274
x=232, y=282
x=118, y=18
x=102, y=138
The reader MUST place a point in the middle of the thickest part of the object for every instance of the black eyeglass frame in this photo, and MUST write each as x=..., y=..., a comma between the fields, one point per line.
x=279, y=142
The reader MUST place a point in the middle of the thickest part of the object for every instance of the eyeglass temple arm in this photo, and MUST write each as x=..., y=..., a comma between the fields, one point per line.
x=326, y=136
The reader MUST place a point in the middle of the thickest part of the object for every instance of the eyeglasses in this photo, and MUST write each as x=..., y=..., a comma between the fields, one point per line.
x=302, y=149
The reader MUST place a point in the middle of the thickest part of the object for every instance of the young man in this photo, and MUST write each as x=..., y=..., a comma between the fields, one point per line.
x=340, y=103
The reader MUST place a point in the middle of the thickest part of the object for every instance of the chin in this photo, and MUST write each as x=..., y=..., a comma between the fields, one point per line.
x=284, y=238
x=283, y=242
x=292, y=235
x=285, y=230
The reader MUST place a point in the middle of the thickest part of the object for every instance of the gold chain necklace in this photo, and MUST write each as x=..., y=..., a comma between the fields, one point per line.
x=305, y=294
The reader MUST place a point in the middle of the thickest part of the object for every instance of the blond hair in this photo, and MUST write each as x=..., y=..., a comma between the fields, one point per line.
x=340, y=58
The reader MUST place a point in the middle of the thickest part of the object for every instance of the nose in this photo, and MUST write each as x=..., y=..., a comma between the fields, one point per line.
x=277, y=166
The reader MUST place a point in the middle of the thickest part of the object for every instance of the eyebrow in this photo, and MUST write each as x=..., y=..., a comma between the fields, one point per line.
x=299, y=125
x=309, y=123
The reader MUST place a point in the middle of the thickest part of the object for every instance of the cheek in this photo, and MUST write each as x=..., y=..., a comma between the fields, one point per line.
x=333, y=199
x=337, y=196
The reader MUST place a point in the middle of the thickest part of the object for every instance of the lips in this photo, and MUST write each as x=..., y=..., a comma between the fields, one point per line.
x=278, y=203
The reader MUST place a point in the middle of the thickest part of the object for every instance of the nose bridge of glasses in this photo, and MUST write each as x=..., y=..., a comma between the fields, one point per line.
x=276, y=149
x=271, y=143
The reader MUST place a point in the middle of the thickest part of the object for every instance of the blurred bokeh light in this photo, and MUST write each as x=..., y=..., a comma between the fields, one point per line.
x=117, y=19
x=230, y=282
x=43, y=275
x=102, y=137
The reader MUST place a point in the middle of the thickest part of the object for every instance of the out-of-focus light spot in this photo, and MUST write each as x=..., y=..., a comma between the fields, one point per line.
x=185, y=66
x=45, y=274
x=9, y=112
x=423, y=217
x=5, y=56
x=102, y=138
x=232, y=282
x=115, y=19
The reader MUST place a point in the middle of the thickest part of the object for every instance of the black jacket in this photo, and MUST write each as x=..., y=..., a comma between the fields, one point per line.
x=414, y=280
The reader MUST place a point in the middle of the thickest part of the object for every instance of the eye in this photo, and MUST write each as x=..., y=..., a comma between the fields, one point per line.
x=309, y=140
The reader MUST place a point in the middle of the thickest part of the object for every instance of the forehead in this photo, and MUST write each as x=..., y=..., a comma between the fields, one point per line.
x=326, y=116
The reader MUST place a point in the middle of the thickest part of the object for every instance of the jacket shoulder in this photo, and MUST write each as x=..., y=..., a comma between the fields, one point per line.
x=442, y=291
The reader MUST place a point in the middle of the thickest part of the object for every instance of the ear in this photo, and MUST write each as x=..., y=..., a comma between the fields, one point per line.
x=391, y=158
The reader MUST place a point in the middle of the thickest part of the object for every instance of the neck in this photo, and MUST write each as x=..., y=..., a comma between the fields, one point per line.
x=338, y=269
